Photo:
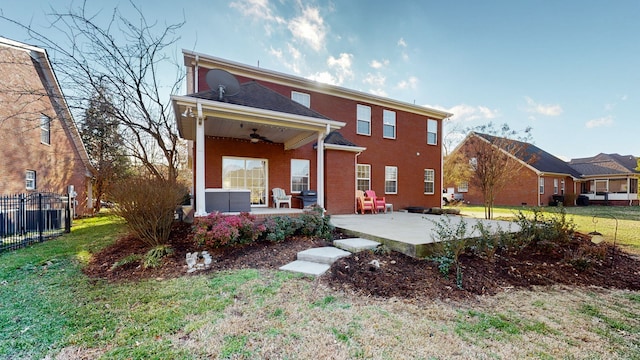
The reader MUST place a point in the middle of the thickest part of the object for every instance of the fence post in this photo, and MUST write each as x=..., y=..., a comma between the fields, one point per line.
x=40, y=218
x=67, y=214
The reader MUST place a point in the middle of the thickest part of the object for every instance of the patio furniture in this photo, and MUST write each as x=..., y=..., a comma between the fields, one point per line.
x=364, y=203
x=378, y=202
x=308, y=198
x=280, y=197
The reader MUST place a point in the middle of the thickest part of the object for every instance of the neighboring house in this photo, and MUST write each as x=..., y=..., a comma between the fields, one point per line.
x=41, y=147
x=541, y=175
x=609, y=178
x=280, y=131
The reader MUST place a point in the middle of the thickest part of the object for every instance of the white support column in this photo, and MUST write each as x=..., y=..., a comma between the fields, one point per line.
x=200, y=165
x=320, y=168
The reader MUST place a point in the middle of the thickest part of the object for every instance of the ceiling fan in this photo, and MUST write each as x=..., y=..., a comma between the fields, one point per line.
x=255, y=137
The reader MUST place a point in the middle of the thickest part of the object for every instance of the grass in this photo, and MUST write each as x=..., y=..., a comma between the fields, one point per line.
x=586, y=219
x=49, y=309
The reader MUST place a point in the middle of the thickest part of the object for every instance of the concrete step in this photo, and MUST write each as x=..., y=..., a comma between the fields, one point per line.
x=355, y=245
x=323, y=255
x=306, y=267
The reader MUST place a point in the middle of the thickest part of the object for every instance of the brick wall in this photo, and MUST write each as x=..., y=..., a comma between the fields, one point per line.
x=23, y=100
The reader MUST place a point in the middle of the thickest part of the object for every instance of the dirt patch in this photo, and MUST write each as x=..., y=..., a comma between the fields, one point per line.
x=577, y=262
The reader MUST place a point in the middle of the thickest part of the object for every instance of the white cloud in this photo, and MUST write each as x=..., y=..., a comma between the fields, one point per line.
x=624, y=97
x=324, y=77
x=292, y=61
x=257, y=10
x=378, y=64
x=410, y=83
x=376, y=79
x=342, y=66
x=309, y=28
x=463, y=112
x=402, y=43
x=547, y=110
x=600, y=122
x=379, y=92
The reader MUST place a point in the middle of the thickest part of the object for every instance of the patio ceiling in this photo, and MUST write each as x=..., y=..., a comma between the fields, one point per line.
x=227, y=120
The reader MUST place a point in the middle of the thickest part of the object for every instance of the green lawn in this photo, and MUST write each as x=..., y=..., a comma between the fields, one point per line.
x=50, y=309
x=586, y=218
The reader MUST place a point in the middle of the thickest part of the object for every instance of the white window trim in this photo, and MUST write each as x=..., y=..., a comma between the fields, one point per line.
x=463, y=187
x=541, y=185
x=433, y=171
x=368, y=166
x=392, y=123
x=556, y=187
x=45, y=127
x=429, y=122
x=387, y=178
x=298, y=97
x=308, y=175
x=358, y=119
x=29, y=179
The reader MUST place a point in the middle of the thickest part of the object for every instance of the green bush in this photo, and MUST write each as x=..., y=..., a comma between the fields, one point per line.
x=541, y=229
x=216, y=229
x=148, y=206
x=450, y=242
x=153, y=258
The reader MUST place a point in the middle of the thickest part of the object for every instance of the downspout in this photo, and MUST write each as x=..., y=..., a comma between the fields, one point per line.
x=538, y=190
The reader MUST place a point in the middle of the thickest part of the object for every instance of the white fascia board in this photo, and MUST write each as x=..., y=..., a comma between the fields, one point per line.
x=356, y=149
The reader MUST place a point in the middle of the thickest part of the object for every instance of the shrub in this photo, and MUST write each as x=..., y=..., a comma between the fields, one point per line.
x=148, y=206
x=544, y=229
x=279, y=228
x=153, y=258
x=129, y=259
x=216, y=230
x=450, y=242
x=315, y=223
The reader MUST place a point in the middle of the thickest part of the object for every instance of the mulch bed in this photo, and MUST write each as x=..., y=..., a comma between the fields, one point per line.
x=577, y=263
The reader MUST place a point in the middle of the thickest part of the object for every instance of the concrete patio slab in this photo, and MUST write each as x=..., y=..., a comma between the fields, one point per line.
x=324, y=255
x=409, y=233
x=355, y=245
x=306, y=267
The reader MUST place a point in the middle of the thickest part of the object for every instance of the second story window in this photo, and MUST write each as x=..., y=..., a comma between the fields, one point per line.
x=45, y=130
x=301, y=98
x=389, y=124
x=432, y=132
x=364, y=119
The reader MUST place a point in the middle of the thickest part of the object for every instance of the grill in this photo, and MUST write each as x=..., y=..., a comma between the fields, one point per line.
x=308, y=197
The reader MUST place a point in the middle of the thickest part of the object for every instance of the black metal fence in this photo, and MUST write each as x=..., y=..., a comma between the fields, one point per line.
x=29, y=218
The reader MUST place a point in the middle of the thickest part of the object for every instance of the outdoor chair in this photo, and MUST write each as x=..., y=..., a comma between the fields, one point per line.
x=378, y=202
x=279, y=197
x=364, y=203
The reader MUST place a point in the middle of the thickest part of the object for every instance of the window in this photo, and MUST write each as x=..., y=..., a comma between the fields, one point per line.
x=555, y=186
x=633, y=186
x=389, y=124
x=432, y=132
x=562, y=186
x=299, y=175
x=45, y=129
x=473, y=162
x=30, y=180
x=390, y=179
x=618, y=186
x=601, y=186
x=363, y=177
x=364, y=120
x=301, y=98
x=463, y=187
x=429, y=181
x=541, y=183
x=246, y=173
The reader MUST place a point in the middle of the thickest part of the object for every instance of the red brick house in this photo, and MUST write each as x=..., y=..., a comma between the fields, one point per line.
x=610, y=179
x=273, y=130
x=41, y=147
x=541, y=175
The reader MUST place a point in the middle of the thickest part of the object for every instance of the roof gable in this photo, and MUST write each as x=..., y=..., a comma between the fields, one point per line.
x=532, y=155
x=606, y=164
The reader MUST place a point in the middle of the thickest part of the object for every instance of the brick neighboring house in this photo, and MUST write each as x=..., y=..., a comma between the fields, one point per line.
x=609, y=178
x=289, y=132
x=41, y=147
x=542, y=176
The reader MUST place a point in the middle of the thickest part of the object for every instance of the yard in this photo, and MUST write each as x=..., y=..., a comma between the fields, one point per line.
x=51, y=309
x=628, y=235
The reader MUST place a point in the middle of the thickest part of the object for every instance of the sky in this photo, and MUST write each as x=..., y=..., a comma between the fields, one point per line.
x=569, y=69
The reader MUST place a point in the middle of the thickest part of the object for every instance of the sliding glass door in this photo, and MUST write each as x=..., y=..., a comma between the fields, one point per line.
x=246, y=173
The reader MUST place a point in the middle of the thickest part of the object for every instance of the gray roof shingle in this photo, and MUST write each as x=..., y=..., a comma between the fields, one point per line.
x=606, y=164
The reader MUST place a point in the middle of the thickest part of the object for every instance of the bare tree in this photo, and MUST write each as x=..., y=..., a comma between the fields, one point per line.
x=126, y=57
x=493, y=157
